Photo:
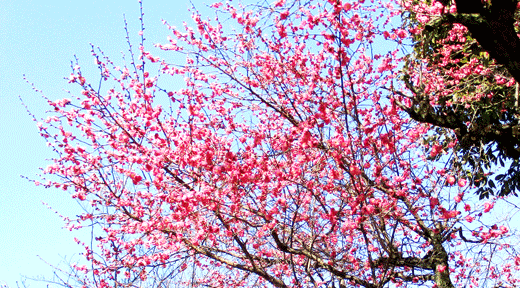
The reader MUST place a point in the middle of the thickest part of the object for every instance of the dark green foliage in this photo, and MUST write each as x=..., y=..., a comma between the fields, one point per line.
x=480, y=109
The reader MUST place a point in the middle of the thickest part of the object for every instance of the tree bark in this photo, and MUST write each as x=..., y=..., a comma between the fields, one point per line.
x=493, y=28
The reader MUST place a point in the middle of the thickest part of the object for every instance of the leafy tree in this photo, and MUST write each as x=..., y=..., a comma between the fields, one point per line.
x=283, y=162
x=461, y=76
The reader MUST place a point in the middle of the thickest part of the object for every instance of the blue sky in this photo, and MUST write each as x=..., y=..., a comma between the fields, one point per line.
x=39, y=39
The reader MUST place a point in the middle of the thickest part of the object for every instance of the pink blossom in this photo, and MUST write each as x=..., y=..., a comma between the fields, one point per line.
x=448, y=214
x=436, y=149
x=284, y=15
x=450, y=179
x=458, y=198
x=434, y=201
x=488, y=206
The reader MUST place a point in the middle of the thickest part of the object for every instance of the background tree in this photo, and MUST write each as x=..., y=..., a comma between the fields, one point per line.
x=283, y=162
x=461, y=76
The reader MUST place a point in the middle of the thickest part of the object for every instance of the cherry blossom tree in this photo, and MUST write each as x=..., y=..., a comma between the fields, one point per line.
x=286, y=160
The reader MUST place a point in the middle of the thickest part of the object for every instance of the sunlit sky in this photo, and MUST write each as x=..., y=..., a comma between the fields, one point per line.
x=39, y=39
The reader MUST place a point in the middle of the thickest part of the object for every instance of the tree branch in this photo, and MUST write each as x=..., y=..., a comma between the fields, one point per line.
x=493, y=28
